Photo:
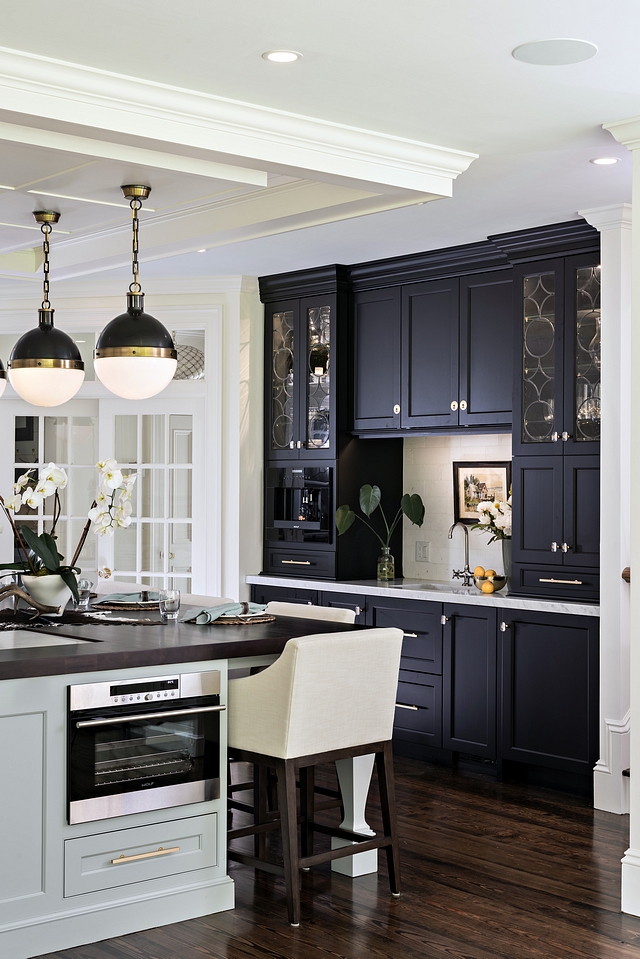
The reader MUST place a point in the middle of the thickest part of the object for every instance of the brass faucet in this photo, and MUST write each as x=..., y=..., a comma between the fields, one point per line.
x=464, y=574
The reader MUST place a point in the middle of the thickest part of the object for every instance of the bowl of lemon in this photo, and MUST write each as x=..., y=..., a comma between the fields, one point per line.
x=487, y=580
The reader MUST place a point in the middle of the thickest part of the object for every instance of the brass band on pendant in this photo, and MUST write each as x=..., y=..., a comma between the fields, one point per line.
x=45, y=364
x=162, y=353
x=3, y=374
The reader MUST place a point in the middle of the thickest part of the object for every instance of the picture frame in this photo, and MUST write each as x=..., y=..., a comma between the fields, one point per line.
x=475, y=483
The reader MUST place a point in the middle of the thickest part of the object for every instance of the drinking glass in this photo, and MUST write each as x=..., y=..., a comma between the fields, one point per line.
x=169, y=602
x=84, y=593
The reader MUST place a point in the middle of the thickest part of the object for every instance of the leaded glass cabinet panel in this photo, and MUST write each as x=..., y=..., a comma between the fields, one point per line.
x=283, y=380
x=318, y=378
x=539, y=358
x=587, y=354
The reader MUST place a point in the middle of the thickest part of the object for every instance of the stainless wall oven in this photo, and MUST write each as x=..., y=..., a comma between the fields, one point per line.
x=141, y=744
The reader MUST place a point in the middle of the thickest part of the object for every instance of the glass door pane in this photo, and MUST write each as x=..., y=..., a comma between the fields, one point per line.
x=539, y=358
x=282, y=381
x=587, y=355
x=318, y=327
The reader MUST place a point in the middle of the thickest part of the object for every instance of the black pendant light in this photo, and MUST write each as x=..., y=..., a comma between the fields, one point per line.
x=45, y=366
x=135, y=356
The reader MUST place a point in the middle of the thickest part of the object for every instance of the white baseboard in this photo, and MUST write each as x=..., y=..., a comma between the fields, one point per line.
x=610, y=787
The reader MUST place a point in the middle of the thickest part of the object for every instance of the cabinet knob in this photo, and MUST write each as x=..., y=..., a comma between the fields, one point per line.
x=504, y=627
x=299, y=444
x=565, y=436
x=443, y=620
x=454, y=405
x=463, y=404
x=292, y=445
x=554, y=547
x=396, y=408
x=565, y=547
x=555, y=436
x=358, y=610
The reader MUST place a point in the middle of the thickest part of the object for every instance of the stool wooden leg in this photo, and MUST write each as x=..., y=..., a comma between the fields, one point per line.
x=287, y=802
x=384, y=766
x=307, y=794
x=259, y=809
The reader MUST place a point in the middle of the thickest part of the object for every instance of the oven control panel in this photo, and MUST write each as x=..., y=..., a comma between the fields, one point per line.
x=134, y=691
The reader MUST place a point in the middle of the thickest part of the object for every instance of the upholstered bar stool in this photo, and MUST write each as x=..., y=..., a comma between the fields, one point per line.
x=330, y=614
x=328, y=697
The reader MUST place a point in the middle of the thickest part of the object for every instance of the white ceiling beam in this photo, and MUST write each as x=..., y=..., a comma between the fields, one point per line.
x=65, y=94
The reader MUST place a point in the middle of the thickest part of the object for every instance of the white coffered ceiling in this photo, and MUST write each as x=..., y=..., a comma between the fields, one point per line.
x=270, y=167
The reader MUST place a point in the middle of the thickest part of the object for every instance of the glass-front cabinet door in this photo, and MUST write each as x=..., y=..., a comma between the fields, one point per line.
x=301, y=416
x=558, y=380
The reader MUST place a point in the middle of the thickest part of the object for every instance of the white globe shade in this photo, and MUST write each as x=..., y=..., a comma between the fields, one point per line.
x=46, y=386
x=3, y=384
x=135, y=377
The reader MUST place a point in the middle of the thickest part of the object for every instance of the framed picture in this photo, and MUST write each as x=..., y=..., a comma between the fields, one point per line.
x=475, y=483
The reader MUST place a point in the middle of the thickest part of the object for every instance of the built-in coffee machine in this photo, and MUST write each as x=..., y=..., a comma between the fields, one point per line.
x=298, y=504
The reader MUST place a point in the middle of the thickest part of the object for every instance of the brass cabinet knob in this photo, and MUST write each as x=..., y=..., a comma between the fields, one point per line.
x=463, y=404
x=396, y=408
x=454, y=405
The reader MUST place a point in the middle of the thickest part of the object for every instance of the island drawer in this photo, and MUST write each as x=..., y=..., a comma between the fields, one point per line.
x=147, y=852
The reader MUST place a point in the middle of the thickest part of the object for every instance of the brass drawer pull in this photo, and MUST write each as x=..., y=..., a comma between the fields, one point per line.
x=296, y=562
x=567, y=582
x=144, y=855
x=411, y=635
x=402, y=706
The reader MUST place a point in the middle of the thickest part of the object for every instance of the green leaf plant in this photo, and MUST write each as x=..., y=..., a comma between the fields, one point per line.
x=411, y=506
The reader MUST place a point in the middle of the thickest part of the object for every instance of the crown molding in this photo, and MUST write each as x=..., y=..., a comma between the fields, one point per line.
x=414, y=267
x=626, y=132
x=17, y=297
x=322, y=279
x=615, y=217
x=217, y=128
x=540, y=242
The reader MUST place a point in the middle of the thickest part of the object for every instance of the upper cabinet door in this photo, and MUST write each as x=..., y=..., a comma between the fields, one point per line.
x=538, y=510
x=582, y=354
x=486, y=349
x=539, y=369
x=430, y=392
x=317, y=423
x=581, y=526
x=282, y=375
x=376, y=329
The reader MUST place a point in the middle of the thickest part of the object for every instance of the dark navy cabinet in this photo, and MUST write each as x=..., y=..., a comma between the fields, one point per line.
x=469, y=681
x=549, y=682
x=435, y=355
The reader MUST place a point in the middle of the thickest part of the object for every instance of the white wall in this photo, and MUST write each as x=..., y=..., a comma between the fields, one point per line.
x=428, y=470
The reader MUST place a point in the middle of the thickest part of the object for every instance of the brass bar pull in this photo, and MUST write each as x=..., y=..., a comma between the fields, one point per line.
x=402, y=706
x=411, y=635
x=296, y=562
x=165, y=714
x=144, y=855
x=568, y=582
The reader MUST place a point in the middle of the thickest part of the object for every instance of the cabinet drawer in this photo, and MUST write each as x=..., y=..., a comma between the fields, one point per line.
x=418, y=716
x=301, y=562
x=561, y=581
x=422, y=643
x=283, y=594
x=187, y=844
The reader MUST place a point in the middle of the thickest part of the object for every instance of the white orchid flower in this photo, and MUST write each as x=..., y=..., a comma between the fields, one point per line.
x=101, y=497
x=106, y=465
x=96, y=513
x=111, y=478
x=14, y=502
x=21, y=482
x=54, y=474
x=31, y=498
x=104, y=530
x=45, y=488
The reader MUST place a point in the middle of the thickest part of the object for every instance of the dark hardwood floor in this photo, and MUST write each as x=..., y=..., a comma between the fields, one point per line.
x=490, y=871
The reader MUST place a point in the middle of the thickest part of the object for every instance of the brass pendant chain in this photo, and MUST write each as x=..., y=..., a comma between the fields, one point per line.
x=46, y=230
x=135, y=205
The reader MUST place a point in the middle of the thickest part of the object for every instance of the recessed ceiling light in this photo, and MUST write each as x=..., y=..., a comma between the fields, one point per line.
x=555, y=52
x=281, y=56
x=605, y=161
x=202, y=251
x=83, y=199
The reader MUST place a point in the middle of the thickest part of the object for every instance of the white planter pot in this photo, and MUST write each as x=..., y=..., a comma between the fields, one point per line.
x=48, y=590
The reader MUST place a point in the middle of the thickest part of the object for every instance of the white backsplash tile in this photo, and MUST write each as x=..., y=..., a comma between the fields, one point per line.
x=428, y=470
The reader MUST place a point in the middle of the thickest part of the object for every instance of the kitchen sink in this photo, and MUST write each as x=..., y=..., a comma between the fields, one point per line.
x=26, y=638
x=435, y=587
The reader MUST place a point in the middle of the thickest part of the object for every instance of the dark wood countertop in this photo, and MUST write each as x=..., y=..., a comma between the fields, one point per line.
x=123, y=646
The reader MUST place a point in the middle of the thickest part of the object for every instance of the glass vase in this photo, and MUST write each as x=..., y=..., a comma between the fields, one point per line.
x=386, y=566
x=506, y=560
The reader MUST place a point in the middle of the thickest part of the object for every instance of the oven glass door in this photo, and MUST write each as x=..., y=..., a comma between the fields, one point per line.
x=123, y=754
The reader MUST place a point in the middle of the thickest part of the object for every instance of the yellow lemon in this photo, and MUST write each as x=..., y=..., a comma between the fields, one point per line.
x=487, y=587
x=490, y=573
x=479, y=571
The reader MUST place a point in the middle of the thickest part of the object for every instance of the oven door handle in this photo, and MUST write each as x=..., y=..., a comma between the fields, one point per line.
x=164, y=714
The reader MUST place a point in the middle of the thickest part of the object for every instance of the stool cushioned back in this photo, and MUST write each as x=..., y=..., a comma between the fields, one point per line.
x=331, y=614
x=325, y=692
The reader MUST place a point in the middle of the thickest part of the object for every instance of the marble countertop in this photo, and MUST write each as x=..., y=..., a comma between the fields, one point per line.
x=431, y=592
